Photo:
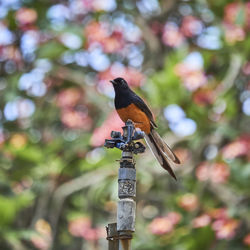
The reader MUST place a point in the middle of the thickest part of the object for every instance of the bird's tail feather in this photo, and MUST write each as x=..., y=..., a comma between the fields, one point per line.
x=161, y=151
x=163, y=146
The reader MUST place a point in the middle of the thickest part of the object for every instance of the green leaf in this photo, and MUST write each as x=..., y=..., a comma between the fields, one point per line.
x=51, y=50
x=9, y=206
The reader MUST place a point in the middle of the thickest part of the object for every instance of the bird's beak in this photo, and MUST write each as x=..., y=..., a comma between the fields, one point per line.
x=113, y=82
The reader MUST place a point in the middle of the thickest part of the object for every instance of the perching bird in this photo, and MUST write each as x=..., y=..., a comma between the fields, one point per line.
x=130, y=106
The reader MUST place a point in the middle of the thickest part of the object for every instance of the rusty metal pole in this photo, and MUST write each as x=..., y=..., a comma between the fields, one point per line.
x=112, y=236
x=125, y=226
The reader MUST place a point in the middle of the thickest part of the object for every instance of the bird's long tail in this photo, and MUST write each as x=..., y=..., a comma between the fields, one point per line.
x=161, y=151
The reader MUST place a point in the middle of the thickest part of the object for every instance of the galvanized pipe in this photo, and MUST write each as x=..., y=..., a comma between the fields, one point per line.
x=126, y=205
x=120, y=237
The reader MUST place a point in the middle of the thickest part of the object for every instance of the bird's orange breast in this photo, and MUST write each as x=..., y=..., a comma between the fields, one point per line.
x=135, y=114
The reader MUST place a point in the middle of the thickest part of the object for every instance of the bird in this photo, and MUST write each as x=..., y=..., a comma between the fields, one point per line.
x=130, y=106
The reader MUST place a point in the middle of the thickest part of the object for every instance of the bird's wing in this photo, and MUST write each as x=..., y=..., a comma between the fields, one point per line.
x=143, y=106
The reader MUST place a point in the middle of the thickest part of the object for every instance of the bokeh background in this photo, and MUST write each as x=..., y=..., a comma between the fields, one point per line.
x=188, y=59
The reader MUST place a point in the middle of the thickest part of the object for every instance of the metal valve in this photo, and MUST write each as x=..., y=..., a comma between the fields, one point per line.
x=126, y=142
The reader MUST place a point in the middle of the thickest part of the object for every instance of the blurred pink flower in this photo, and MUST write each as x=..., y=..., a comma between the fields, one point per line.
x=234, y=33
x=172, y=36
x=102, y=33
x=17, y=188
x=25, y=16
x=114, y=42
x=218, y=213
x=204, y=97
x=81, y=227
x=246, y=68
x=225, y=228
x=191, y=78
x=247, y=9
x=69, y=97
x=164, y=225
x=2, y=139
x=88, y=5
x=183, y=154
x=194, y=80
x=95, y=31
x=201, y=221
x=246, y=240
x=40, y=242
x=239, y=147
x=22, y=185
x=76, y=119
x=11, y=53
x=235, y=28
x=93, y=234
x=43, y=238
x=214, y=172
x=161, y=225
x=43, y=227
x=156, y=27
x=232, y=12
x=191, y=26
x=96, y=5
x=188, y=202
x=220, y=173
x=202, y=171
x=174, y=217
x=113, y=122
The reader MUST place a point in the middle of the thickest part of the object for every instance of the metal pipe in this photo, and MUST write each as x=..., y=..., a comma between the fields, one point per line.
x=121, y=238
x=125, y=244
x=112, y=236
x=126, y=204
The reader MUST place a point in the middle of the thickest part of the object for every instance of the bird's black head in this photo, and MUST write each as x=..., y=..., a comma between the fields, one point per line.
x=119, y=83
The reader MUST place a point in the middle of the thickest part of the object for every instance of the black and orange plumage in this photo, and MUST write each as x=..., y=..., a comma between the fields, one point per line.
x=130, y=106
